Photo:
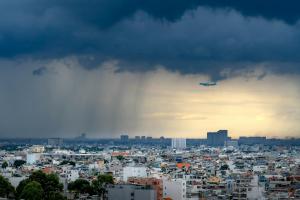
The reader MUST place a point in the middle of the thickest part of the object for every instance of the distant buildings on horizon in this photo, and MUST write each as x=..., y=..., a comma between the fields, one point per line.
x=55, y=142
x=218, y=138
x=214, y=139
x=178, y=143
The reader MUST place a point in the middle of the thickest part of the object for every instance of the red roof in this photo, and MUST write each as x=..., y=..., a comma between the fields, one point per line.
x=186, y=165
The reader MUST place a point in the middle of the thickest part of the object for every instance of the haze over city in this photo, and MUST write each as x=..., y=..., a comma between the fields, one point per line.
x=106, y=68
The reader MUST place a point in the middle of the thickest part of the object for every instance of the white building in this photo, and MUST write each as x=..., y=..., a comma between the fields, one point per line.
x=134, y=172
x=174, y=189
x=71, y=174
x=62, y=152
x=178, y=143
x=32, y=158
x=37, y=149
x=260, y=168
x=82, y=151
x=97, y=165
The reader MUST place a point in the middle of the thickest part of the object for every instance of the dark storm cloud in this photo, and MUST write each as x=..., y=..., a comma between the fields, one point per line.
x=195, y=36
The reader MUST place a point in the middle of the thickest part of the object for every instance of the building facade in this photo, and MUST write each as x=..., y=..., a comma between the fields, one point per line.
x=178, y=143
x=155, y=183
x=134, y=172
x=130, y=192
x=218, y=138
x=174, y=189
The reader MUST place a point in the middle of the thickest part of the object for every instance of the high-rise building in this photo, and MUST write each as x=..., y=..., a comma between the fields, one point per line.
x=178, y=143
x=137, y=137
x=217, y=138
x=124, y=138
x=55, y=141
x=149, y=138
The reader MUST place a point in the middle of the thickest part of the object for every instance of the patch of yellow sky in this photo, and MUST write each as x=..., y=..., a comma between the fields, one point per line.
x=176, y=106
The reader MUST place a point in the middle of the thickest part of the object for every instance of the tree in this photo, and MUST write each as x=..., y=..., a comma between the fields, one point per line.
x=120, y=158
x=32, y=191
x=99, y=185
x=224, y=167
x=80, y=186
x=49, y=183
x=68, y=162
x=56, y=196
x=20, y=187
x=39, y=176
x=6, y=189
x=19, y=163
x=53, y=184
x=4, y=165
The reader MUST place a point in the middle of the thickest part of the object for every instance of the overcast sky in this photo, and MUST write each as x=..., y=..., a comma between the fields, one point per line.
x=109, y=67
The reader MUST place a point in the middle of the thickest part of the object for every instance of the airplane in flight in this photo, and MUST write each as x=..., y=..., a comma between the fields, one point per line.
x=208, y=84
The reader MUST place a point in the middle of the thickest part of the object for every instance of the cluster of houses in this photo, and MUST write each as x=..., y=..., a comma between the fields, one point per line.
x=149, y=173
